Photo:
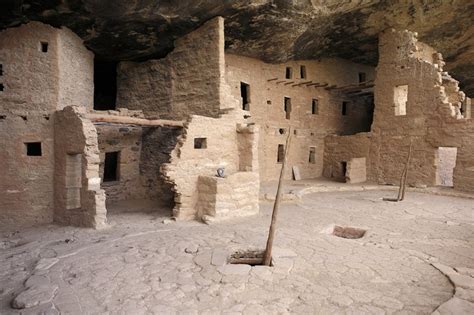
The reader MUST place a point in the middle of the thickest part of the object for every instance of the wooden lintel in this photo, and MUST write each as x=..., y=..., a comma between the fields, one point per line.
x=134, y=121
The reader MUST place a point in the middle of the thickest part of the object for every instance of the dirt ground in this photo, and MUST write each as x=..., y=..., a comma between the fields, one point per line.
x=140, y=265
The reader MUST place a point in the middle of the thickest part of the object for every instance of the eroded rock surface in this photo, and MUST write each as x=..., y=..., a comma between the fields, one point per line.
x=272, y=30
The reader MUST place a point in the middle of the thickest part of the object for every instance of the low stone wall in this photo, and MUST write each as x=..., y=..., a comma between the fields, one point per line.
x=233, y=196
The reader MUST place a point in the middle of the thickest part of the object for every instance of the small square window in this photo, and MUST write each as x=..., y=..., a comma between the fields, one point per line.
x=288, y=73
x=362, y=77
x=111, y=166
x=44, y=47
x=33, y=148
x=200, y=143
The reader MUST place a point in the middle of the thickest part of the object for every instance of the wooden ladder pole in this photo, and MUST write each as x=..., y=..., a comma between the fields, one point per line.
x=267, y=258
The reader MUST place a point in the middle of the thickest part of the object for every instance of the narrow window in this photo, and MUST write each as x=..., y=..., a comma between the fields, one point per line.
x=287, y=107
x=33, y=148
x=44, y=47
x=1, y=87
x=111, y=166
x=245, y=95
x=314, y=107
x=280, y=153
x=303, y=72
x=400, y=98
x=362, y=77
x=344, y=170
x=344, y=108
x=289, y=73
x=200, y=143
x=105, y=84
x=312, y=155
x=1, y=69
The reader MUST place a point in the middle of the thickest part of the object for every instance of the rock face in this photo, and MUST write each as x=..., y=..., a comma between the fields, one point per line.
x=272, y=30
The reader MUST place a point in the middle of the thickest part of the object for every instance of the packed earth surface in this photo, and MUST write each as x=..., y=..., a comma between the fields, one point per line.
x=147, y=263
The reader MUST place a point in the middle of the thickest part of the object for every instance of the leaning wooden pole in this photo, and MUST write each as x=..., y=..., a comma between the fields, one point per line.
x=406, y=171
x=267, y=258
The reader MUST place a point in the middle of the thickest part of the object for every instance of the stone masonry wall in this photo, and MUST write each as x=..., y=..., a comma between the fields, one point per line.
x=184, y=83
x=433, y=114
x=79, y=200
x=268, y=88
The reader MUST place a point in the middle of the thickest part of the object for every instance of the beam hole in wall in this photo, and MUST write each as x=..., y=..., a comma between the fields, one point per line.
x=33, y=149
x=344, y=108
x=245, y=95
x=400, y=98
x=269, y=102
x=362, y=77
x=282, y=131
x=314, y=107
x=281, y=153
x=445, y=164
x=288, y=72
x=287, y=107
x=2, y=117
x=312, y=155
x=44, y=47
x=24, y=118
x=111, y=166
x=105, y=84
x=303, y=72
x=200, y=143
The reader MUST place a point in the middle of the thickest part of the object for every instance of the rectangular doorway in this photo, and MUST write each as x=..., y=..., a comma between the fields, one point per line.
x=445, y=163
x=245, y=95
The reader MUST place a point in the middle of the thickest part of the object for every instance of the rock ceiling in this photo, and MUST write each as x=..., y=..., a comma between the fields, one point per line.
x=273, y=30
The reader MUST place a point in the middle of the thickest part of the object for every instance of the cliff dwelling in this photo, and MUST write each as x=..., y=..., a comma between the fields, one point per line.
x=146, y=146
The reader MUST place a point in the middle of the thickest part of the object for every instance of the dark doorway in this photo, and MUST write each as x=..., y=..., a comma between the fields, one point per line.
x=343, y=171
x=105, y=84
x=111, y=166
x=245, y=94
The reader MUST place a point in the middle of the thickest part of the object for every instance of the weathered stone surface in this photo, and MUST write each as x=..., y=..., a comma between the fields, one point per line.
x=455, y=306
x=271, y=30
x=35, y=295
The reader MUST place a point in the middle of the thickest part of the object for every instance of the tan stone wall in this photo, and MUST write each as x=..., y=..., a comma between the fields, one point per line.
x=44, y=81
x=26, y=182
x=267, y=108
x=36, y=83
x=236, y=195
x=184, y=83
x=78, y=197
x=433, y=118
x=76, y=71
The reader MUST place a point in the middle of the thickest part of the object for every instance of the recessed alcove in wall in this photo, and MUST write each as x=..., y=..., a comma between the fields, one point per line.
x=400, y=98
x=312, y=155
x=105, y=84
x=200, y=143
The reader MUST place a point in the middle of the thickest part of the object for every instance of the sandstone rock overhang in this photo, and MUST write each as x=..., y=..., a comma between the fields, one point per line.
x=271, y=30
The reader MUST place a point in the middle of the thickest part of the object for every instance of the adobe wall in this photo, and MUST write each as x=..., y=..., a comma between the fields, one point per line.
x=184, y=83
x=79, y=200
x=268, y=88
x=34, y=87
x=44, y=81
x=26, y=182
x=433, y=113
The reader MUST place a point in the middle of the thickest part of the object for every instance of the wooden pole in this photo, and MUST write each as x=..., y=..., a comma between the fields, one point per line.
x=133, y=120
x=403, y=178
x=267, y=258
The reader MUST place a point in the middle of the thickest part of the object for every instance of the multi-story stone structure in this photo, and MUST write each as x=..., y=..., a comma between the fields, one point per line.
x=178, y=119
